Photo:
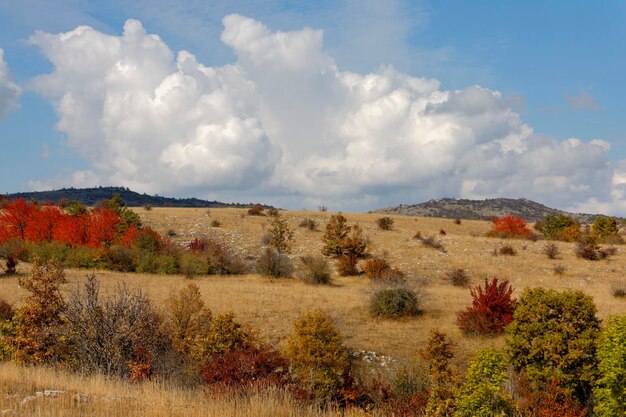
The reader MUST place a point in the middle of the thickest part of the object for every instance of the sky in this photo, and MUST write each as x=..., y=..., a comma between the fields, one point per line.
x=352, y=105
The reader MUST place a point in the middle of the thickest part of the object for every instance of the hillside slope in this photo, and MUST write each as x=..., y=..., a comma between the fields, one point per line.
x=482, y=209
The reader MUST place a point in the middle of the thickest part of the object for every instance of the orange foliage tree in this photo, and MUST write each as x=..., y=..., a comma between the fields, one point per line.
x=509, y=226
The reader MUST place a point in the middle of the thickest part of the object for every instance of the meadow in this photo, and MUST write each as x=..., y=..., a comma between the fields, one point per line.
x=270, y=306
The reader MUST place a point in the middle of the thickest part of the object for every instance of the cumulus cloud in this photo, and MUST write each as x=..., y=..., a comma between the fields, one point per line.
x=9, y=91
x=285, y=124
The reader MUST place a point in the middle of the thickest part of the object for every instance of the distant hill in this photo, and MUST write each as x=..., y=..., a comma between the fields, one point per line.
x=91, y=196
x=482, y=209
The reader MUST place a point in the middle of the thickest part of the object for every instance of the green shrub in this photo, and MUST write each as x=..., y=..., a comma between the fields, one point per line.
x=310, y=224
x=216, y=223
x=337, y=230
x=192, y=264
x=482, y=394
x=225, y=335
x=153, y=263
x=610, y=390
x=281, y=234
x=394, y=303
x=314, y=270
x=274, y=264
x=318, y=359
x=618, y=289
x=605, y=228
x=385, y=223
x=553, y=336
x=559, y=227
x=120, y=258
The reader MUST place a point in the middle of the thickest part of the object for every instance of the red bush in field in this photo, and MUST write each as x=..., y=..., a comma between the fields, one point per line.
x=491, y=310
x=72, y=230
x=241, y=368
x=509, y=226
x=102, y=227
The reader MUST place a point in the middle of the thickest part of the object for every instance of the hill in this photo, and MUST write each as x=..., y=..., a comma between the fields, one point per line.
x=482, y=209
x=91, y=196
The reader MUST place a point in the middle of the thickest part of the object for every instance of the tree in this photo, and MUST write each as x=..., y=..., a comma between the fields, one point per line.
x=337, y=230
x=509, y=226
x=439, y=353
x=553, y=337
x=604, y=228
x=560, y=227
x=610, y=390
x=38, y=336
x=319, y=360
x=482, y=393
x=281, y=234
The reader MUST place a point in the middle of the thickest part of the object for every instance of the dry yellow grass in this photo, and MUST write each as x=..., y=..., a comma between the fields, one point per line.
x=271, y=306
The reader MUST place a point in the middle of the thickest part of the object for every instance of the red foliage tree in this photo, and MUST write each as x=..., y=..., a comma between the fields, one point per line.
x=42, y=222
x=15, y=216
x=548, y=400
x=102, y=227
x=491, y=310
x=509, y=226
x=72, y=230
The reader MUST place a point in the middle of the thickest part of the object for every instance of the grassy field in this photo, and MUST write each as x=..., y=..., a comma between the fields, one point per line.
x=271, y=305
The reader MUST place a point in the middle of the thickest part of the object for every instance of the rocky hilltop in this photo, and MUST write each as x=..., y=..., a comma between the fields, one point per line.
x=482, y=209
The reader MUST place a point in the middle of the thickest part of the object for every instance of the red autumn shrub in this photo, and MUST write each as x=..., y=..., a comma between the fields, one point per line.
x=41, y=223
x=241, y=368
x=547, y=400
x=509, y=226
x=491, y=310
x=102, y=227
x=73, y=231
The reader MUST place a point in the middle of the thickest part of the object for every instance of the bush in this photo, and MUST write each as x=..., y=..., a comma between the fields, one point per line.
x=457, y=221
x=109, y=335
x=430, y=242
x=37, y=336
x=310, y=224
x=375, y=267
x=274, y=264
x=314, y=270
x=219, y=258
x=6, y=311
x=245, y=368
x=505, y=250
x=337, y=230
x=589, y=250
x=618, y=289
x=491, y=310
x=559, y=227
x=186, y=319
x=225, y=335
x=318, y=359
x=347, y=265
x=559, y=270
x=385, y=223
x=541, y=399
x=458, y=277
x=551, y=250
x=256, y=210
x=605, y=228
x=509, y=227
x=394, y=303
x=553, y=335
x=216, y=223
x=482, y=393
x=610, y=390
x=147, y=207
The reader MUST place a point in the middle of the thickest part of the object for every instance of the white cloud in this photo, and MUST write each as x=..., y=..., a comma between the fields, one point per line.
x=583, y=101
x=284, y=124
x=9, y=91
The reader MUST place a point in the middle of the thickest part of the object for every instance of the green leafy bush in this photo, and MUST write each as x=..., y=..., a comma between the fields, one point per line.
x=318, y=359
x=605, y=229
x=394, y=303
x=444, y=379
x=482, y=393
x=553, y=335
x=610, y=390
x=559, y=227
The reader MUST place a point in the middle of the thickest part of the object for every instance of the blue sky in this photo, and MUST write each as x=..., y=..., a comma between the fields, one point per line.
x=558, y=66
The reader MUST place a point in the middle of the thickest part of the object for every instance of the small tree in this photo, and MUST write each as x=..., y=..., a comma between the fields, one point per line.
x=553, y=336
x=439, y=353
x=337, y=230
x=38, y=336
x=319, y=360
x=482, y=393
x=610, y=390
x=491, y=310
x=604, y=228
x=559, y=227
x=509, y=226
x=385, y=223
x=281, y=234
